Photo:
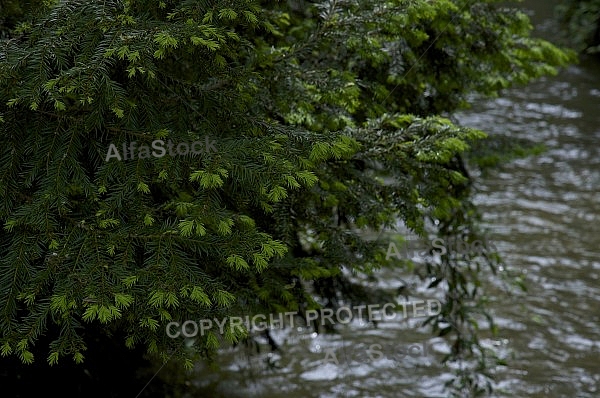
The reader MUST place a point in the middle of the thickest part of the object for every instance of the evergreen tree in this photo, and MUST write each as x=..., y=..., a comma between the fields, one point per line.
x=326, y=119
x=582, y=22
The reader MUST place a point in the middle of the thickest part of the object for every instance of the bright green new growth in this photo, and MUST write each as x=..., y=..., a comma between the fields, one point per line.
x=310, y=106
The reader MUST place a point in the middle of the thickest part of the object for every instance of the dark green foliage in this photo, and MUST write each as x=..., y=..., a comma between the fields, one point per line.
x=582, y=20
x=311, y=105
x=13, y=12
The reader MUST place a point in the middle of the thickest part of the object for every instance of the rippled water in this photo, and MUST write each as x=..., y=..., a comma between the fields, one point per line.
x=543, y=213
